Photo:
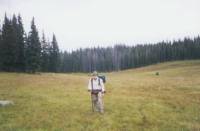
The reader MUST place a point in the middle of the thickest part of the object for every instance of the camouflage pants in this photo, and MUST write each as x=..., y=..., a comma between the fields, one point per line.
x=97, y=102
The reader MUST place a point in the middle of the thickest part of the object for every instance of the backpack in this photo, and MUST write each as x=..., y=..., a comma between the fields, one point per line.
x=103, y=78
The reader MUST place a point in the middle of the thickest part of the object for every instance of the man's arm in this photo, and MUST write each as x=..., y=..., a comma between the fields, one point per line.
x=89, y=85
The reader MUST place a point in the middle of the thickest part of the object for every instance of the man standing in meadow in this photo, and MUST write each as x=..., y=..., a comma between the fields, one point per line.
x=97, y=90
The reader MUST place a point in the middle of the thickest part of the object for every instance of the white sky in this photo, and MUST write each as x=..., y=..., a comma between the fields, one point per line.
x=88, y=23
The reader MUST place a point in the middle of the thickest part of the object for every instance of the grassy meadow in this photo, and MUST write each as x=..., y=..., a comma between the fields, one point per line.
x=136, y=100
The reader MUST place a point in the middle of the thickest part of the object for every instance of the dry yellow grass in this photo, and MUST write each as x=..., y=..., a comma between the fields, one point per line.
x=136, y=100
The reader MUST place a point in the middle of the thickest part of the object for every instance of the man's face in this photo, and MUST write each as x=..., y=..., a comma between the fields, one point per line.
x=94, y=77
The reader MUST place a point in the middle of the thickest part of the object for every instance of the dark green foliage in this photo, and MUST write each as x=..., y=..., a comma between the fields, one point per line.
x=122, y=57
x=8, y=45
x=45, y=54
x=20, y=47
x=12, y=45
x=33, y=51
x=54, y=55
x=0, y=48
x=20, y=52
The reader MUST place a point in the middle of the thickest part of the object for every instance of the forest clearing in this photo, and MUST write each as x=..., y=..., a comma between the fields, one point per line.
x=136, y=99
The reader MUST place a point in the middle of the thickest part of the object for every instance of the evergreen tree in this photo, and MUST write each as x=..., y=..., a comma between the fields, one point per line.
x=20, y=51
x=45, y=54
x=54, y=55
x=8, y=46
x=0, y=47
x=15, y=39
x=33, y=51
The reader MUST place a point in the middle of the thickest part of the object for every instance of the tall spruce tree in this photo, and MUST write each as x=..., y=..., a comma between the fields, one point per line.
x=33, y=51
x=54, y=55
x=8, y=46
x=20, y=52
x=45, y=54
x=15, y=39
x=0, y=47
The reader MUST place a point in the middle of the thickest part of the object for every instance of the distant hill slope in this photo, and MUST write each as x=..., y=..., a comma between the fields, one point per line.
x=192, y=64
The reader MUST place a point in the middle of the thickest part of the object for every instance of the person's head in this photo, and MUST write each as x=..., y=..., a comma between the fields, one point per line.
x=94, y=74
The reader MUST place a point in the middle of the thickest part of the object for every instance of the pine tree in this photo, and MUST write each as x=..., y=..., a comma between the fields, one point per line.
x=0, y=48
x=8, y=46
x=45, y=54
x=20, y=56
x=54, y=55
x=15, y=39
x=33, y=52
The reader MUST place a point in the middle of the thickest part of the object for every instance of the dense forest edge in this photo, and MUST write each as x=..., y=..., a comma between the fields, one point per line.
x=27, y=52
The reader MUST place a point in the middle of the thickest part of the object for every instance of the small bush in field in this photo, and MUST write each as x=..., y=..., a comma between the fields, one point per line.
x=157, y=73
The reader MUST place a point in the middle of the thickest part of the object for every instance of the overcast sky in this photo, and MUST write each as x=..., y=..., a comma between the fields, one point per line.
x=88, y=23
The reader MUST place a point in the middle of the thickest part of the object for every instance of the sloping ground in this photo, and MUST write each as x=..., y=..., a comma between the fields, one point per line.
x=135, y=100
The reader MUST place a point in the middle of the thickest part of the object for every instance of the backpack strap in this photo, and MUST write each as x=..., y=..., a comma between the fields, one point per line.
x=92, y=83
x=99, y=81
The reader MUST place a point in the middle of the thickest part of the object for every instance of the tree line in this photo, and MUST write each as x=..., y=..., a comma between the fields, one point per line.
x=27, y=52
x=122, y=57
